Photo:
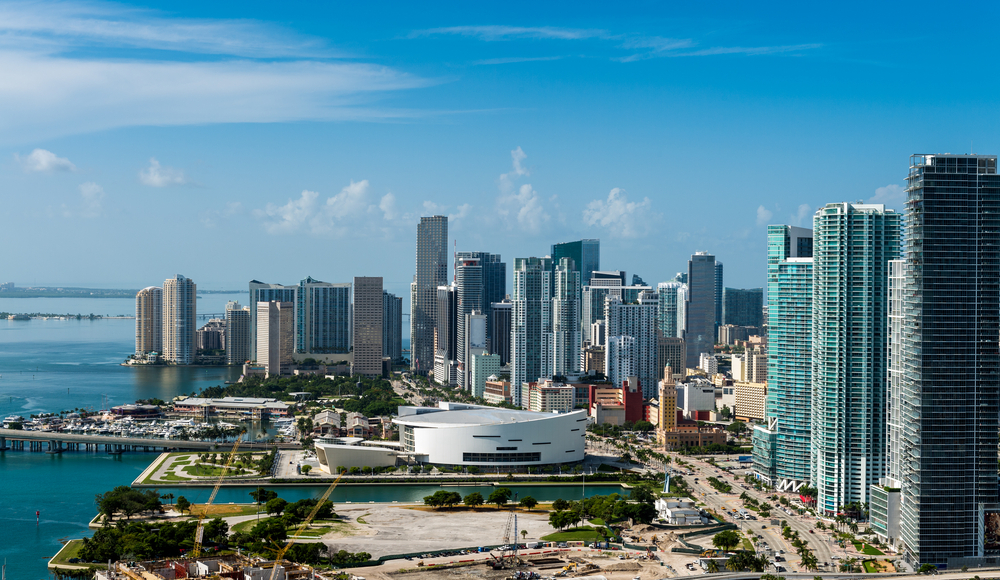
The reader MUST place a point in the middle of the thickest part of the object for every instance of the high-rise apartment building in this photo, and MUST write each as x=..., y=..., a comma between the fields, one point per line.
x=638, y=322
x=149, y=320
x=743, y=307
x=238, y=329
x=323, y=317
x=564, y=340
x=781, y=446
x=445, y=337
x=852, y=246
x=473, y=341
x=531, y=321
x=431, y=272
x=718, y=294
x=671, y=353
x=602, y=285
x=943, y=457
x=586, y=256
x=275, y=336
x=392, y=326
x=367, y=326
x=500, y=329
x=469, y=299
x=263, y=292
x=493, y=275
x=180, y=311
x=670, y=296
x=699, y=328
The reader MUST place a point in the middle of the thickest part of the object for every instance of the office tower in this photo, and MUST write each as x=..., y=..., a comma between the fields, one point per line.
x=668, y=293
x=500, y=329
x=323, y=317
x=699, y=333
x=493, y=272
x=586, y=256
x=431, y=272
x=445, y=341
x=718, y=294
x=367, y=326
x=392, y=326
x=606, y=278
x=469, y=298
x=180, y=311
x=781, y=447
x=149, y=320
x=946, y=468
x=852, y=245
x=262, y=292
x=564, y=340
x=531, y=320
x=484, y=366
x=238, y=329
x=602, y=285
x=638, y=322
x=671, y=353
x=743, y=307
x=275, y=336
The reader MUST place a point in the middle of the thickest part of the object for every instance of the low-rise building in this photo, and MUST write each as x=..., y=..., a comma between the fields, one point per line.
x=327, y=422
x=496, y=391
x=230, y=406
x=548, y=397
x=679, y=511
x=697, y=399
x=614, y=405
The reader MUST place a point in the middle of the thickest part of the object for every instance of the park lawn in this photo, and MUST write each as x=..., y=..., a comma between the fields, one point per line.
x=204, y=471
x=872, y=551
x=598, y=522
x=581, y=534
x=870, y=567
x=747, y=545
x=225, y=510
x=72, y=550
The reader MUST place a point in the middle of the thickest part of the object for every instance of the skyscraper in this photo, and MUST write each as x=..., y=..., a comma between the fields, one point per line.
x=180, y=309
x=275, y=336
x=781, y=447
x=945, y=461
x=493, y=275
x=469, y=298
x=699, y=333
x=531, y=321
x=669, y=293
x=431, y=272
x=719, y=285
x=237, y=333
x=392, y=326
x=602, y=285
x=564, y=340
x=445, y=341
x=586, y=256
x=262, y=292
x=149, y=320
x=500, y=329
x=367, y=326
x=852, y=246
x=743, y=307
x=323, y=317
x=637, y=322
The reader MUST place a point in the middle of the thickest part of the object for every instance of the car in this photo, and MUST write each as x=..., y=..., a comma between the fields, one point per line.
x=812, y=531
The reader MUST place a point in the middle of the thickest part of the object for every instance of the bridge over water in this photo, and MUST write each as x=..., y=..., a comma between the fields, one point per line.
x=56, y=442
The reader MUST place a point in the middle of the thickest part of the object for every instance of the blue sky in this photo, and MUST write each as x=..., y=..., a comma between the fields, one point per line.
x=233, y=141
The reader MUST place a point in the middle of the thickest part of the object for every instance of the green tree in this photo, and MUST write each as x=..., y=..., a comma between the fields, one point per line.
x=927, y=569
x=306, y=469
x=726, y=540
x=737, y=428
x=713, y=567
x=528, y=502
x=262, y=496
x=500, y=496
x=474, y=499
x=183, y=504
x=275, y=506
x=560, y=505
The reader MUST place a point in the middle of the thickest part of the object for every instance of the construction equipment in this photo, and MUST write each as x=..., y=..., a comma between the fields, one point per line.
x=508, y=552
x=305, y=524
x=196, y=551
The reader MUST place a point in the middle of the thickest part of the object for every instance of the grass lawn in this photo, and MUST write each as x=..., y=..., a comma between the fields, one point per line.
x=870, y=567
x=212, y=471
x=71, y=550
x=584, y=534
x=747, y=545
x=598, y=522
x=225, y=510
x=872, y=551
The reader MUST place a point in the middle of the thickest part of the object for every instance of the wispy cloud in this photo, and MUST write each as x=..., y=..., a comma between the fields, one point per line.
x=802, y=215
x=520, y=206
x=500, y=32
x=619, y=216
x=91, y=203
x=157, y=175
x=43, y=161
x=764, y=216
x=659, y=47
x=892, y=195
x=516, y=59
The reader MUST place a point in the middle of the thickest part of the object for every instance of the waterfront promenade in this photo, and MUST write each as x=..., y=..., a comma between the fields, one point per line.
x=58, y=442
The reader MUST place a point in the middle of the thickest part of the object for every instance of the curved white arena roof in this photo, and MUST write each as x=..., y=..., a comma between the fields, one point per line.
x=471, y=416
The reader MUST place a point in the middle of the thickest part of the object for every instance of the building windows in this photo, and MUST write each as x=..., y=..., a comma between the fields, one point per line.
x=506, y=448
x=501, y=457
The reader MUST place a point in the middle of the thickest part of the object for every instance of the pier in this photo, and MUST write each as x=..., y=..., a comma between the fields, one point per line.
x=55, y=442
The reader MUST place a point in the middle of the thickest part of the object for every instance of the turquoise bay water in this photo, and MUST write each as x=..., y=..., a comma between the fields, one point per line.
x=55, y=365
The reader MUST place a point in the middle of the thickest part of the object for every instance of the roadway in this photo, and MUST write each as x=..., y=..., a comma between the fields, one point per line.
x=76, y=438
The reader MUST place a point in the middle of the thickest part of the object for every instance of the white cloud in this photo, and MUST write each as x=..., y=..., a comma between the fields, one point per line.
x=339, y=214
x=520, y=207
x=892, y=195
x=212, y=217
x=516, y=59
x=764, y=216
x=290, y=217
x=621, y=217
x=388, y=206
x=497, y=32
x=463, y=211
x=158, y=176
x=41, y=160
x=802, y=216
x=93, y=200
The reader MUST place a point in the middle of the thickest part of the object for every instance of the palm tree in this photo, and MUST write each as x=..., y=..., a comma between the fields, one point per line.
x=712, y=566
x=759, y=563
x=853, y=527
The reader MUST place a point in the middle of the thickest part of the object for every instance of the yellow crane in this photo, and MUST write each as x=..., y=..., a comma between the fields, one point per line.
x=196, y=551
x=322, y=500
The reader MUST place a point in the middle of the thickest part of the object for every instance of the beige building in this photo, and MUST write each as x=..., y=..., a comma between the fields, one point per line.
x=367, y=326
x=547, y=397
x=180, y=311
x=275, y=336
x=750, y=367
x=750, y=401
x=671, y=352
x=666, y=423
x=593, y=359
x=149, y=320
x=496, y=391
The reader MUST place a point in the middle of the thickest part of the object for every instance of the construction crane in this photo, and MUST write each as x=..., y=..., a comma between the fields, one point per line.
x=319, y=504
x=508, y=552
x=196, y=551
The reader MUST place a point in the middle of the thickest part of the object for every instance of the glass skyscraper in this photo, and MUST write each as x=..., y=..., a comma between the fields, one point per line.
x=431, y=272
x=669, y=294
x=586, y=256
x=699, y=329
x=781, y=446
x=323, y=317
x=743, y=306
x=852, y=247
x=531, y=321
